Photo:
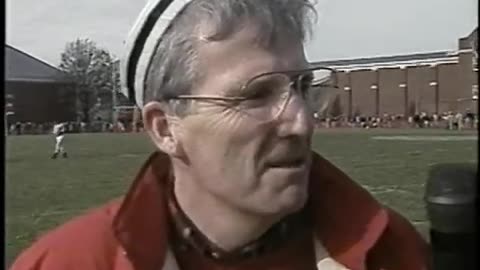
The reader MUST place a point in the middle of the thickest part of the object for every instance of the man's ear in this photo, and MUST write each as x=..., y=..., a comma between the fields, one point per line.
x=159, y=127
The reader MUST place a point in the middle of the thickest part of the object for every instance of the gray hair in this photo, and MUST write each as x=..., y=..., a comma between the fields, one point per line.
x=174, y=67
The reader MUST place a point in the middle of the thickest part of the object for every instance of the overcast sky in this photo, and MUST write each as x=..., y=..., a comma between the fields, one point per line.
x=346, y=28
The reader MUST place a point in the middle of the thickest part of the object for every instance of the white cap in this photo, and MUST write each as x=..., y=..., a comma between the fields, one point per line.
x=142, y=42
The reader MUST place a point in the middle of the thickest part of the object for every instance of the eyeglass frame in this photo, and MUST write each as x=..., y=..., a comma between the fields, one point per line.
x=289, y=73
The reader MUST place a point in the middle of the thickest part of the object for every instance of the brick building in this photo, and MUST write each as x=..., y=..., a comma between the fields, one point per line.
x=35, y=91
x=434, y=82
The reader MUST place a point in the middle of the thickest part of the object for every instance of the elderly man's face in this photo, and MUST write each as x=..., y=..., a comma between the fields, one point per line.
x=260, y=167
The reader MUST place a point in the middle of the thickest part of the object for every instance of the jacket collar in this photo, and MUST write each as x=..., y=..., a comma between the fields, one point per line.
x=141, y=224
x=348, y=221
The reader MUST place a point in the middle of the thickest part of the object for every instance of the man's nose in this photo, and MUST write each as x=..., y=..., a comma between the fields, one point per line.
x=296, y=118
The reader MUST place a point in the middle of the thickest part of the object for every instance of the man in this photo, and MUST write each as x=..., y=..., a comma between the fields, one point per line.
x=450, y=120
x=59, y=132
x=469, y=118
x=18, y=128
x=226, y=97
x=459, y=120
x=435, y=120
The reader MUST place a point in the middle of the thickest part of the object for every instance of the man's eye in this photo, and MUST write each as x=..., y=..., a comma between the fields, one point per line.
x=259, y=93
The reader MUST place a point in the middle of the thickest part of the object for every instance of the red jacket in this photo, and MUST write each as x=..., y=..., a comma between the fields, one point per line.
x=132, y=233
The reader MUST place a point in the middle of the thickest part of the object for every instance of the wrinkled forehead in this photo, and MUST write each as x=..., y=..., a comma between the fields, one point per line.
x=249, y=35
x=242, y=56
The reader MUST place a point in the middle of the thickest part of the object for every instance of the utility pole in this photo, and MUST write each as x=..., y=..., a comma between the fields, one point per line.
x=115, y=67
x=404, y=86
x=434, y=83
x=348, y=89
x=375, y=88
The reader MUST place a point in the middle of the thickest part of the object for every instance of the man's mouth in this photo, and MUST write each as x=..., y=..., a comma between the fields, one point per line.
x=288, y=163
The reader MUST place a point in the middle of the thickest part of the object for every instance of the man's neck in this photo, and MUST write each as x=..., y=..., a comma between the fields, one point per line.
x=226, y=227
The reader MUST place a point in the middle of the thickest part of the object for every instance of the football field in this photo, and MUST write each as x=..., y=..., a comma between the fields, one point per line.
x=42, y=193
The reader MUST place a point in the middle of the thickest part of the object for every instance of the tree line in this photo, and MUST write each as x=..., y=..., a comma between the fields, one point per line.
x=94, y=72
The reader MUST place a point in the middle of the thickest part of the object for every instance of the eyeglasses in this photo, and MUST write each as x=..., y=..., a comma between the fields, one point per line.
x=265, y=96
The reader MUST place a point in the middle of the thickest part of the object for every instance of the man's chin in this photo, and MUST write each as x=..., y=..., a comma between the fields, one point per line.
x=291, y=200
x=295, y=202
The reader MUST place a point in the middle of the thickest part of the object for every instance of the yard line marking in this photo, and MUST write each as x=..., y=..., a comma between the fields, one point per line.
x=127, y=155
x=388, y=190
x=419, y=222
x=416, y=185
x=439, y=138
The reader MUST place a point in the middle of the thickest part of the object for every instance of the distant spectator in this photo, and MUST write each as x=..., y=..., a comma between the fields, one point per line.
x=417, y=120
x=40, y=129
x=121, y=126
x=469, y=119
x=459, y=121
x=435, y=120
x=450, y=120
x=425, y=120
x=18, y=128
x=83, y=126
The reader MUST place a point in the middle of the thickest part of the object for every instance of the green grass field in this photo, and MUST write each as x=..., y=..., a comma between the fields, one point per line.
x=42, y=193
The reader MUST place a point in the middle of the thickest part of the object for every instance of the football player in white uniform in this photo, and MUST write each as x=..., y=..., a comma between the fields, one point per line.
x=59, y=131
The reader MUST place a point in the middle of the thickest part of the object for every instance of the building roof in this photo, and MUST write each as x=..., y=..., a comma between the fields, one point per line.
x=22, y=67
x=474, y=34
x=396, y=61
x=466, y=44
x=470, y=41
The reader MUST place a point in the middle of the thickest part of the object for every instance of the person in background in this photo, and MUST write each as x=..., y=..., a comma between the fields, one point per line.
x=469, y=119
x=450, y=120
x=458, y=120
x=435, y=119
x=59, y=130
